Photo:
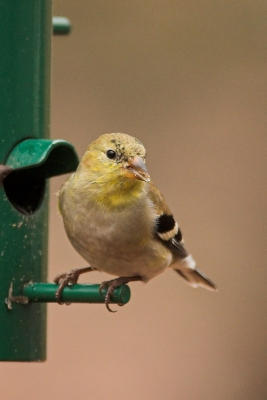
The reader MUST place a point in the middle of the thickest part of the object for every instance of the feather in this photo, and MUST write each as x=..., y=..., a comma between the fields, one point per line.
x=196, y=278
x=166, y=228
x=169, y=233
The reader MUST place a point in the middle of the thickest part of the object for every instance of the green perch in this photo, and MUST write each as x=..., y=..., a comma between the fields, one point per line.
x=79, y=293
x=61, y=25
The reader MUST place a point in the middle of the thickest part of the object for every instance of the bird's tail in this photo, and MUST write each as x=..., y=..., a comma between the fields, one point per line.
x=188, y=270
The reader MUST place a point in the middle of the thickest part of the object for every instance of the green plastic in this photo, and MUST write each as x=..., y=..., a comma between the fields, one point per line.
x=25, y=31
x=45, y=292
x=61, y=26
x=33, y=161
x=45, y=157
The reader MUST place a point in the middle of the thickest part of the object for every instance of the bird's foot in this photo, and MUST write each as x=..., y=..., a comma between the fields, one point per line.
x=68, y=279
x=111, y=285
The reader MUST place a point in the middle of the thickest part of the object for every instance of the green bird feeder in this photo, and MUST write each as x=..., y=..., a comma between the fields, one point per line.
x=27, y=159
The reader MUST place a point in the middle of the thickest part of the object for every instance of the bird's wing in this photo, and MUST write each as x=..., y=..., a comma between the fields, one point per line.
x=169, y=233
x=166, y=228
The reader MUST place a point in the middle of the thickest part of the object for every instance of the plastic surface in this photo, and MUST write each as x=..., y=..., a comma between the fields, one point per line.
x=25, y=30
x=45, y=292
x=33, y=161
x=43, y=156
x=61, y=26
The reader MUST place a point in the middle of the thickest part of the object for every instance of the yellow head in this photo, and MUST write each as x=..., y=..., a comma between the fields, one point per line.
x=114, y=166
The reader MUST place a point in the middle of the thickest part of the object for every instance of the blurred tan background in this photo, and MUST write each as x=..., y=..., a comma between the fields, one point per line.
x=187, y=78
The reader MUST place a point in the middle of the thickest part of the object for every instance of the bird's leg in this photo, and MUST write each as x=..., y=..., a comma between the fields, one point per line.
x=69, y=279
x=113, y=284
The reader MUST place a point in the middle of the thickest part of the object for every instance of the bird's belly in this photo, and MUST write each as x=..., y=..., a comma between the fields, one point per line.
x=116, y=245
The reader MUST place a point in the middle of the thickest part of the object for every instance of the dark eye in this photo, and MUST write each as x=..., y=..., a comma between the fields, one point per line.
x=111, y=154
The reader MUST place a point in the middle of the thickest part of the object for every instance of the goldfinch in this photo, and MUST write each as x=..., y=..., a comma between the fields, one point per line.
x=118, y=221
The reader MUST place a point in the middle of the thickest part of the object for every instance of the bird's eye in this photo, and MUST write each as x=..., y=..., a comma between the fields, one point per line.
x=111, y=154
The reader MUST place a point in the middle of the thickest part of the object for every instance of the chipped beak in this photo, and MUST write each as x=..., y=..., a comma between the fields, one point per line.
x=136, y=168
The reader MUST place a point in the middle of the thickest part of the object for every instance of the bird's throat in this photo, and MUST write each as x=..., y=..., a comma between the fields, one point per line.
x=120, y=193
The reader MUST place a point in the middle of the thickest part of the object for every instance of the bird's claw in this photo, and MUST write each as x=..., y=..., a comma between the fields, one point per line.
x=69, y=279
x=110, y=286
x=63, y=280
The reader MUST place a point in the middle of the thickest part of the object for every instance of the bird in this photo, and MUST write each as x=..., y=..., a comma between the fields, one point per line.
x=119, y=221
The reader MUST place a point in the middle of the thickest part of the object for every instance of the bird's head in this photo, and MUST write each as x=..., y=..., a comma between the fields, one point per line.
x=115, y=157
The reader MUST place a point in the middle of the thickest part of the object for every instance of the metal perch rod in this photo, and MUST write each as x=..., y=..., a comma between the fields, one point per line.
x=79, y=293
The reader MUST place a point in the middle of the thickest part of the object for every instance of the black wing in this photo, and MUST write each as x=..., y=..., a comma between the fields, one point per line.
x=168, y=232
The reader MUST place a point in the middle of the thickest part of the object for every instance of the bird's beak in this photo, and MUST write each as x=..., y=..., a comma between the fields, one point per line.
x=136, y=168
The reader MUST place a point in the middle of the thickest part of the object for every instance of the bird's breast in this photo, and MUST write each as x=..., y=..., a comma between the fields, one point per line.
x=119, y=242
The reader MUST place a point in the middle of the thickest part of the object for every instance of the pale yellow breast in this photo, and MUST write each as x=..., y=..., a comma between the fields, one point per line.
x=119, y=241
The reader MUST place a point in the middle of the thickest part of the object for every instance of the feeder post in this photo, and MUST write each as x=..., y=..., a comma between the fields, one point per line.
x=25, y=37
